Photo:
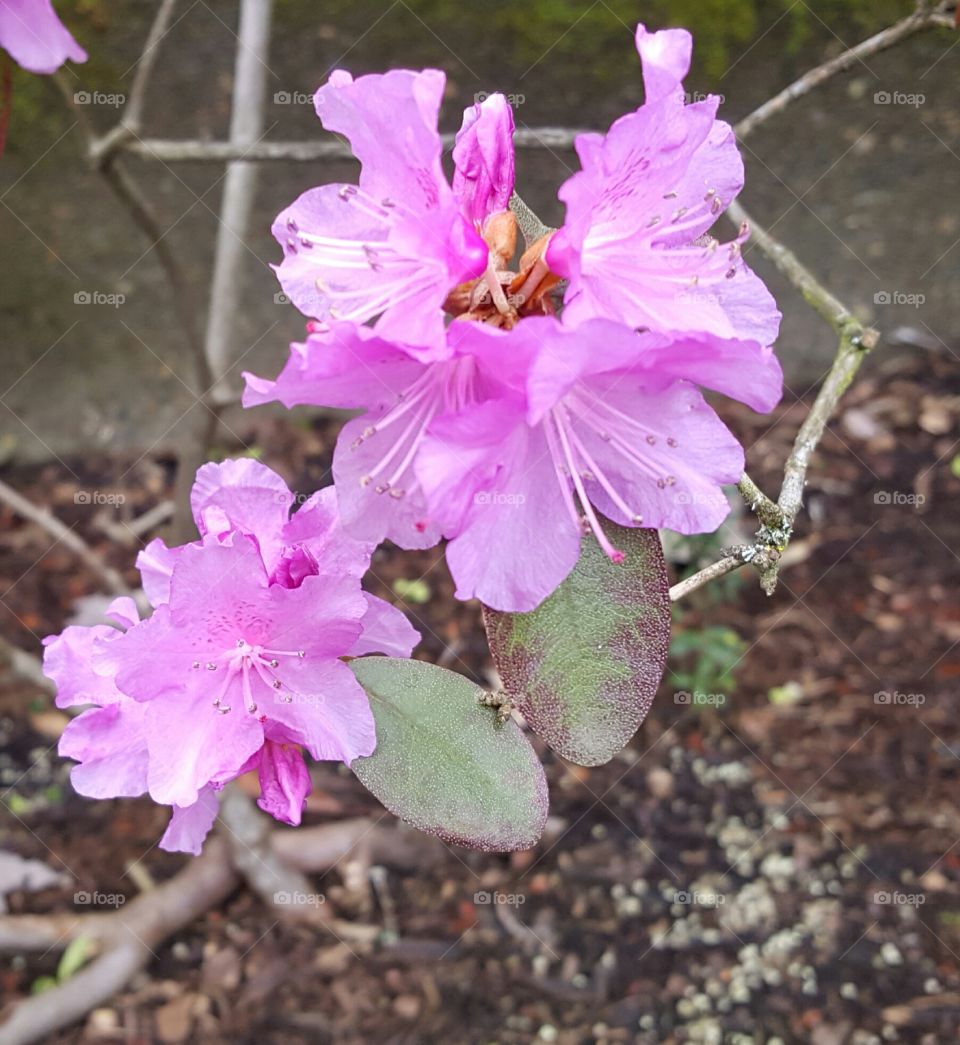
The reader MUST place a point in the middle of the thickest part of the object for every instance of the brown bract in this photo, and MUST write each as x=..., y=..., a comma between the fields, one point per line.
x=502, y=296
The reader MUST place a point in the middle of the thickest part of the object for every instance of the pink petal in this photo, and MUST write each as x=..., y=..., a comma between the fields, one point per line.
x=68, y=659
x=322, y=616
x=111, y=746
x=665, y=56
x=743, y=370
x=123, y=612
x=390, y=121
x=518, y=542
x=465, y=453
x=685, y=454
x=347, y=366
x=349, y=258
x=617, y=201
x=35, y=37
x=385, y=630
x=712, y=180
x=191, y=744
x=370, y=515
x=317, y=530
x=483, y=158
x=330, y=712
x=284, y=782
x=243, y=495
x=392, y=248
x=155, y=563
x=190, y=825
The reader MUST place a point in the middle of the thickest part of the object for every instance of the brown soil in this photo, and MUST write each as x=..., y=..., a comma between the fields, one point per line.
x=770, y=870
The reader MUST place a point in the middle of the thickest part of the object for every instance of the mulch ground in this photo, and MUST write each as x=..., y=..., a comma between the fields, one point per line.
x=783, y=866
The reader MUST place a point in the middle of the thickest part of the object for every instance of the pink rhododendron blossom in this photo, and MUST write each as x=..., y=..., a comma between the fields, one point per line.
x=609, y=421
x=246, y=496
x=491, y=447
x=238, y=668
x=635, y=244
x=392, y=247
x=34, y=36
x=528, y=417
x=349, y=366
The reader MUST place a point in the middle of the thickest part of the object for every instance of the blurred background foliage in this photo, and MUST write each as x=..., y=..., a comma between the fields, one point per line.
x=578, y=34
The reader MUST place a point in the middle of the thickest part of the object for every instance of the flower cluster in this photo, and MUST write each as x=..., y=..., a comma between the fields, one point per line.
x=239, y=666
x=511, y=407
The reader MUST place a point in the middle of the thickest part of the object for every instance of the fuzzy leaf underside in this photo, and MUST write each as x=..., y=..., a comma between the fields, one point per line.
x=584, y=666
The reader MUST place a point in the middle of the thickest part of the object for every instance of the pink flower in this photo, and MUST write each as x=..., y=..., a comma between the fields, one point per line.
x=34, y=36
x=352, y=367
x=247, y=497
x=483, y=160
x=514, y=431
x=238, y=668
x=393, y=247
x=607, y=421
x=635, y=244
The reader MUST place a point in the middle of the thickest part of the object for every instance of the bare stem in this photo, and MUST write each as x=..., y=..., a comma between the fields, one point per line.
x=922, y=18
x=715, y=570
x=246, y=126
x=189, y=151
x=841, y=318
x=133, y=113
x=64, y=535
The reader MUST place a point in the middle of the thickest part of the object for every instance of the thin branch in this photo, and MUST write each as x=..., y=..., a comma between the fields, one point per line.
x=25, y=666
x=133, y=112
x=841, y=318
x=923, y=18
x=247, y=832
x=246, y=126
x=715, y=570
x=127, y=191
x=757, y=501
x=187, y=151
x=127, y=941
x=62, y=533
x=847, y=362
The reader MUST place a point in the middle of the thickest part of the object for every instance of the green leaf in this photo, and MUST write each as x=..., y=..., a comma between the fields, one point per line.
x=417, y=591
x=584, y=666
x=443, y=764
x=74, y=957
